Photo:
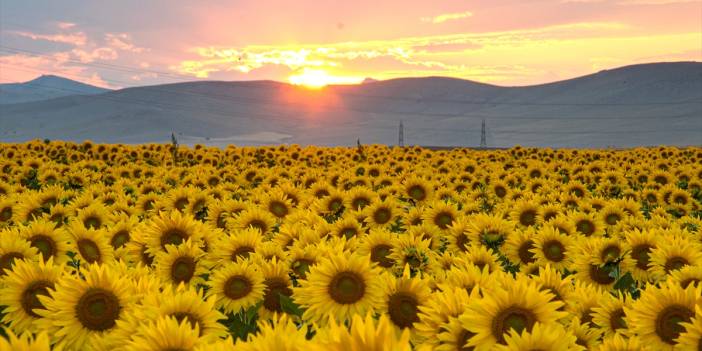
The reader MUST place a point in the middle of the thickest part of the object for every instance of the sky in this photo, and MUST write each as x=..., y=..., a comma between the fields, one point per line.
x=505, y=42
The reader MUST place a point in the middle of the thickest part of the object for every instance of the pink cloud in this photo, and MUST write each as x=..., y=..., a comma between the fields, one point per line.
x=122, y=41
x=88, y=56
x=22, y=68
x=65, y=25
x=76, y=39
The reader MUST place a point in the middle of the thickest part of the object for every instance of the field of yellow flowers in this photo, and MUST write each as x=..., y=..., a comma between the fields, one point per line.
x=148, y=247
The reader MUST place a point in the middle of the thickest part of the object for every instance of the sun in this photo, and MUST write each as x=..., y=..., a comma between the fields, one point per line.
x=317, y=79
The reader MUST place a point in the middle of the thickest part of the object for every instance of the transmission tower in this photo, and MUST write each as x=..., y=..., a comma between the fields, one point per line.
x=401, y=140
x=483, y=139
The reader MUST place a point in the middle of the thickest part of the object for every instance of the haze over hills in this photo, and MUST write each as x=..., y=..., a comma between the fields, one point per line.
x=647, y=104
x=43, y=88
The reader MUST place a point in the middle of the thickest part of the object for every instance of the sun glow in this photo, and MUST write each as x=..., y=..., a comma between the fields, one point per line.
x=317, y=78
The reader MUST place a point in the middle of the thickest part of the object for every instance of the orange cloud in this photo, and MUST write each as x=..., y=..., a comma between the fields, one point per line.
x=447, y=17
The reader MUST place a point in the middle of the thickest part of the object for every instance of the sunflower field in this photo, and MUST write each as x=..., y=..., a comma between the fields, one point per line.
x=155, y=247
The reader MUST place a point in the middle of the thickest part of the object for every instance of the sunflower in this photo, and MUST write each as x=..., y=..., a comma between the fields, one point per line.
x=611, y=215
x=403, y=298
x=92, y=245
x=166, y=333
x=364, y=334
x=610, y=316
x=7, y=211
x=519, y=306
x=413, y=251
x=418, y=189
x=347, y=227
x=470, y=277
x=93, y=217
x=551, y=336
x=641, y=243
x=181, y=264
x=585, y=336
x=610, y=250
x=490, y=230
x=19, y=290
x=691, y=339
x=184, y=304
x=278, y=204
x=551, y=247
x=238, y=245
x=587, y=224
x=483, y=257
x=686, y=276
x=79, y=312
x=518, y=246
x=549, y=279
x=301, y=258
x=277, y=282
x=524, y=213
x=440, y=214
x=236, y=286
x=440, y=309
x=340, y=286
x=657, y=316
x=255, y=218
x=25, y=342
x=121, y=232
x=378, y=244
x=672, y=253
x=452, y=336
x=179, y=198
x=12, y=249
x=381, y=213
x=28, y=210
x=168, y=229
x=358, y=198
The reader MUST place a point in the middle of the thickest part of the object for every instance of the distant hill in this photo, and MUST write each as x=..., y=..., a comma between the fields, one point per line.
x=43, y=88
x=649, y=104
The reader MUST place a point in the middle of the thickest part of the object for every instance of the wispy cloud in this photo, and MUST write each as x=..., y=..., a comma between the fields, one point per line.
x=77, y=39
x=122, y=41
x=447, y=17
x=65, y=25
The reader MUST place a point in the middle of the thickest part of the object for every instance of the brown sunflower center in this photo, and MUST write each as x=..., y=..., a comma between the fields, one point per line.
x=146, y=259
x=173, y=236
x=443, y=219
x=44, y=244
x=612, y=218
x=675, y=263
x=89, y=250
x=29, y=299
x=6, y=214
x=92, y=222
x=616, y=320
x=347, y=287
x=183, y=269
x=640, y=253
x=242, y=252
x=611, y=253
x=278, y=209
x=349, y=232
x=463, y=340
x=500, y=191
x=585, y=226
x=528, y=217
x=258, y=224
x=180, y=203
x=335, y=204
x=600, y=275
x=120, y=239
x=417, y=192
x=237, y=286
x=98, y=309
x=525, y=254
x=402, y=308
x=554, y=251
x=668, y=322
x=274, y=288
x=462, y=242
x=380, y=253
x=359, y=203
x=686, y=282
x=512, y=318
x=382, y=215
